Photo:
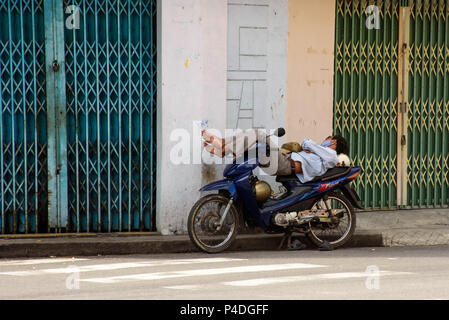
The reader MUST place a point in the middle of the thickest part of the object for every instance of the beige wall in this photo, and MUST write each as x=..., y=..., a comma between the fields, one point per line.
x=310, y=67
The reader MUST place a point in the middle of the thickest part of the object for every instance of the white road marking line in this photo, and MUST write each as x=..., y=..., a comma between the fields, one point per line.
x=192, y=287
x=116, y=266
x=26, y=262
x=202, y=272
x=324, y=276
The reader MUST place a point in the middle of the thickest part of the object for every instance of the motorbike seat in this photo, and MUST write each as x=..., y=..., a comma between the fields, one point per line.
x=333, y=173
x=330, y=174
x=290, y=178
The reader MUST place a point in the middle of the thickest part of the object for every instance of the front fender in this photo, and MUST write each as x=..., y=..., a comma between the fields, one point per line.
x=227, y=185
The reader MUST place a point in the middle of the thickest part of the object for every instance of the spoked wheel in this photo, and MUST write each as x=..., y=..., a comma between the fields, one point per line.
x=337, y=227
x=204, y=225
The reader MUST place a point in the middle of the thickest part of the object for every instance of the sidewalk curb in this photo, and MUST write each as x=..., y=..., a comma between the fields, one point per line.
x=153, y=243
x=113, y=245
x=416, y=237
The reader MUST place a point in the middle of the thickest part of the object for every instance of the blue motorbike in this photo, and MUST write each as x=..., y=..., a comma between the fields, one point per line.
x=322, y=209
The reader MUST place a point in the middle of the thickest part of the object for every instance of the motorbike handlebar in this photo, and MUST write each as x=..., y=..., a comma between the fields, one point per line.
x=280, y=132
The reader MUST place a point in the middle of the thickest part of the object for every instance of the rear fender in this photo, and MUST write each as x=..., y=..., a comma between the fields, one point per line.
x=351, y=195
x=227, y=185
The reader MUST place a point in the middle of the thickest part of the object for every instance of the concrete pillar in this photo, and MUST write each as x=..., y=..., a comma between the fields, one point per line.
x=192, y=63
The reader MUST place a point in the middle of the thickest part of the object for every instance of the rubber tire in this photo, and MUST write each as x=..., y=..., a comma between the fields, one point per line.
x=348, y=237
x=233, y=211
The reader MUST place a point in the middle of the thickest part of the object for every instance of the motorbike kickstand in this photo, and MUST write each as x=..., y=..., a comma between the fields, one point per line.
x=287, y=236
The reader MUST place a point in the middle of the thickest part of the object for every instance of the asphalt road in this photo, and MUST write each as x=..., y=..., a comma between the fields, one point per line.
x=353, y=273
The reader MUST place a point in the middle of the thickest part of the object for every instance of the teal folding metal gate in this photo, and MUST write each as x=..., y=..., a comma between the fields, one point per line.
x=23, y=117
x=77, y=115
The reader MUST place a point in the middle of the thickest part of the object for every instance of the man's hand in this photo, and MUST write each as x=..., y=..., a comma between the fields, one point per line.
x=297, y=167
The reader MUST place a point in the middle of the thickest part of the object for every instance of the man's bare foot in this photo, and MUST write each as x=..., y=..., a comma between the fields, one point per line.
x=211, y=149
x=207, y=136
x=214, y=140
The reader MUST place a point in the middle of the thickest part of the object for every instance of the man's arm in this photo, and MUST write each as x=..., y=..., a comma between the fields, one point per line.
x=328, y=155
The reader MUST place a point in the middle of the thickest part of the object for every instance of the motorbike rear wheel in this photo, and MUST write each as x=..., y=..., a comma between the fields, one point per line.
x=342, y=226
x=203, y=224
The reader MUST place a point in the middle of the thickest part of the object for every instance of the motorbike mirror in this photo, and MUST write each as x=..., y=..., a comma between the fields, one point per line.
x=280, y=132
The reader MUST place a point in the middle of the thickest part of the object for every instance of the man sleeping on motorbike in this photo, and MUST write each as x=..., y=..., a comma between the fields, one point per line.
x=307, y=161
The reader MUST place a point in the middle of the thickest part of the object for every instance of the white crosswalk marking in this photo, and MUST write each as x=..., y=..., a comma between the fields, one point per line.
x=328, y=276
x=38, y=261
x=203, y=272
x=192, y=287
x=238, y=274
x=116, y=266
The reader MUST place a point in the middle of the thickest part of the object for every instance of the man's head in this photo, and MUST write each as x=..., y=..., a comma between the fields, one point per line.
x=338, y=143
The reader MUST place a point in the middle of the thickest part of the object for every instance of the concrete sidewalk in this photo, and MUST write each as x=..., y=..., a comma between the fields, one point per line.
x=374, y=229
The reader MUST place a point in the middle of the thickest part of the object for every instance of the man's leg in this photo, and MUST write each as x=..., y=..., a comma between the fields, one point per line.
x=236, y=145
x=244, y=141
x=286, y=166
x=279, y=163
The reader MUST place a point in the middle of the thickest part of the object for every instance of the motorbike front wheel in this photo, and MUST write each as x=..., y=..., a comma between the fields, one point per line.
x=204, y=226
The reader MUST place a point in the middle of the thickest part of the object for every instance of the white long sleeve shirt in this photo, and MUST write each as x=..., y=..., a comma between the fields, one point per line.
x=317, y=162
